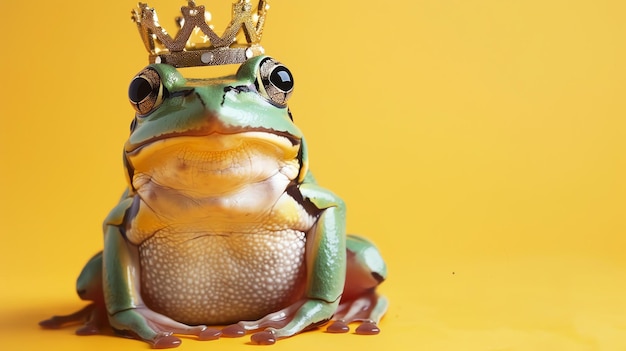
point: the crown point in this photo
(196, 43)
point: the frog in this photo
(223, 231)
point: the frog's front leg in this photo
(128, 314)
(326, 269)
(360, 302)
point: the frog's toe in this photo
(367, 310)
(166, 342)
(338, 327)
(53, 322)
(93, 316)
(233, 331)
(209, 334)
(266, 337)
(367, 328)
(56, 322)
(158, 341)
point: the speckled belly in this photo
(221, 279)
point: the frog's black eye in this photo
(146, 91)
(276, 81)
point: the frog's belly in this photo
(221, 279)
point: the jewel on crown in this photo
(196, 44)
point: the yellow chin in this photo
(216, 163)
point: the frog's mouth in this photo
(213, 163)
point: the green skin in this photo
(340, 271)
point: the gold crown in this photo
(207, 48)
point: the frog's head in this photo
(208, 136)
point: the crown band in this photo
(212, 49)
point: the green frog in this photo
(223, 223)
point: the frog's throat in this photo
(214, 163)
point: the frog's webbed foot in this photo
(303, 315)
(157, 329)
(367, 310)
(93, 317)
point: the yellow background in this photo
(480, 144)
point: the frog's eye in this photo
(275, 81)
(146, 91)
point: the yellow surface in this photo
(481, 144)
